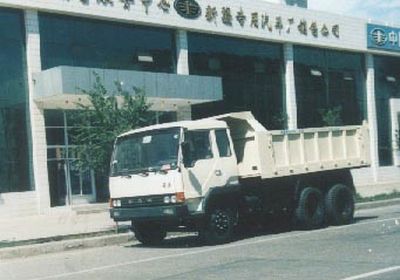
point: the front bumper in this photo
(169, 212)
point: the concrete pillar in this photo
(182, 68)
(290, 94)
(182, 63)
(38, 133)
(371, 111)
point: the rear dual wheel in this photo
(310, 211)
(336, 208)
(339, 203)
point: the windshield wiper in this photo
(125, 172)
(144, 171)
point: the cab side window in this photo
(199, 143)
(223, 143)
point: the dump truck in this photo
(212, 175)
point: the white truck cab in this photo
(208, 174)
(150, 178)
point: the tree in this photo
(97, 125)
(279, 120)
(331, 116)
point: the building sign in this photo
(187, 8)
(383, 37)
(258, 20)
(240, 18)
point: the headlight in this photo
(116, 203)
(174, 198)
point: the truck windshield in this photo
(147, 151)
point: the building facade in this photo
(292, 67)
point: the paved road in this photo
(368, 249)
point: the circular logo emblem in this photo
(379, 36)
(187, 8)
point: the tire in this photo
(149, 233)
(339, 204)
(310, 211)
(219, 226)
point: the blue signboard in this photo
(383, 37)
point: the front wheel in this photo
(219, 226)
(149, 233)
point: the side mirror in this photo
(113, 166)
(187, 155)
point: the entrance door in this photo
(82, 184)
(68, 184)
(57, 181)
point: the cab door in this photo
(227, 169)
(209, 161)
(200, 163)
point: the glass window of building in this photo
(67, 181)
(330, 87)
(387, 86)
(15, 159)
(251, 73)
(74, 41)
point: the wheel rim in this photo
(220, 222)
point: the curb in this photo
(91, 209)
(56, 238)
(66, 245)
(377, 204)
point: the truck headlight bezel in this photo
(167, 199)
(116, 202)
(174, 198)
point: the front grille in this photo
(143, 201)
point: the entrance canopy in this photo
(61, 87)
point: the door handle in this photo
(218, 172)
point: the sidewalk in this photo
(57, 225)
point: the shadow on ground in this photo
(250, 230)
(192, 240)
(360, 219)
